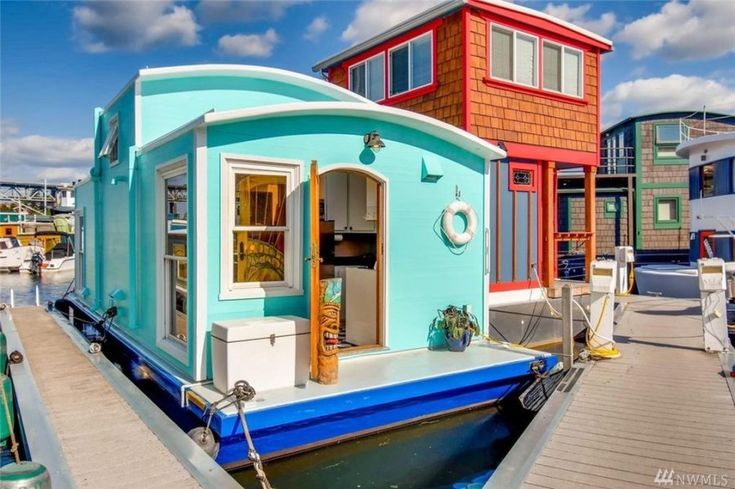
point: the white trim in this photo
(487, 238)
(293, 238)
(201, 255)
(514, 35)
(365, 62)
(581, 79)
(137, 105)
(383, 180)
(428, 125)
(410, 67)
(441, 10)
(176, 348)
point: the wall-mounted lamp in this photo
(372, 140)
(118, 180)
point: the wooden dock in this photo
(103, 438)
(664, 405)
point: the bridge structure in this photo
(36, 197)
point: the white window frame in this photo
(112, 136)
(561, 68)
(365, 62)
(232, 164)
(410, 68)
(515, 33)
(170, 344)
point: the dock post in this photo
(567, 327)
(38, 302)
(12, 298)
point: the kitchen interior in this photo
(348, 222)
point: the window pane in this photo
(708, 181)
(176, 215)
(260, 200)
(399, 70)
(667, 133)
(572, 69)
(357, 79)
(258, 256)
(421, 61)
(525, 60)
(552, 67)
(667, 210)
(666, 151)
(375, 85)
(175, 271)
(502, 54)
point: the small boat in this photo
(13, 254)
(60, 258)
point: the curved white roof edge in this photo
(684, 148)
(413, 120)
(262, 72)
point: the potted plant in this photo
(458, 326)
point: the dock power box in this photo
(712, 287)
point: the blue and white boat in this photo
(219, 198)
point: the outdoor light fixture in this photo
(373, 141)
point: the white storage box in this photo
(267, 352)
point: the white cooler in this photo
(267, 352)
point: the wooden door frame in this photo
(381, 245)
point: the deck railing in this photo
(616, 160)
(688, 131)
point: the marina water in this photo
(50, 287)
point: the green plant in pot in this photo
(458, 326)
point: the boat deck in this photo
(105, 440)
(665, 405)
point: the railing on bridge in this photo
(616, 161)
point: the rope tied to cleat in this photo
(241, 393)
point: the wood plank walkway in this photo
(105, 444)
(664, 405)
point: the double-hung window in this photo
(411, 65)
(562, 69)
(668, 138)
(261, 247)
(368, 78)
(513, 56)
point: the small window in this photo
(522, 177)
(707, 180)
(666, 213)
(562, 69)
(261, 251)
(513, 56)
(667, 138)
(367, 78)
(611, 209)
(411, 65)
(110, 147)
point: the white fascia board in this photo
(407, 118)
(684, 148)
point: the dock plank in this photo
(664, 404)
(104, 442)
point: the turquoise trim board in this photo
(421, 169)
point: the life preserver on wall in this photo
(452, 235)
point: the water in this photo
(51, 286)
(457, 451)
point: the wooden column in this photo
(590, 206)
(548, 191)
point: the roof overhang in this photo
(445, 8)
(686, 147)
(412, 120)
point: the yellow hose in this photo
(600, 351)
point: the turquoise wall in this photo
(424, 274)
(170, 103)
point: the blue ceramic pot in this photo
(459, 344)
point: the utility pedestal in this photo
(714, 304)
(623, 256)
(602, 308)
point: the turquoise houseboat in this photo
(219, 197)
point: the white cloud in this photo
(672, 93)
(102, 26)
(375, 16)
(577, 16)
(316, 28)
(700, 29)
(256, 45)
(35, 157)
(232, 11)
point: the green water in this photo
(457, 451)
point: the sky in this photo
(59, 60)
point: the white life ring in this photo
(452, 209)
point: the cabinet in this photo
(351, 202)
